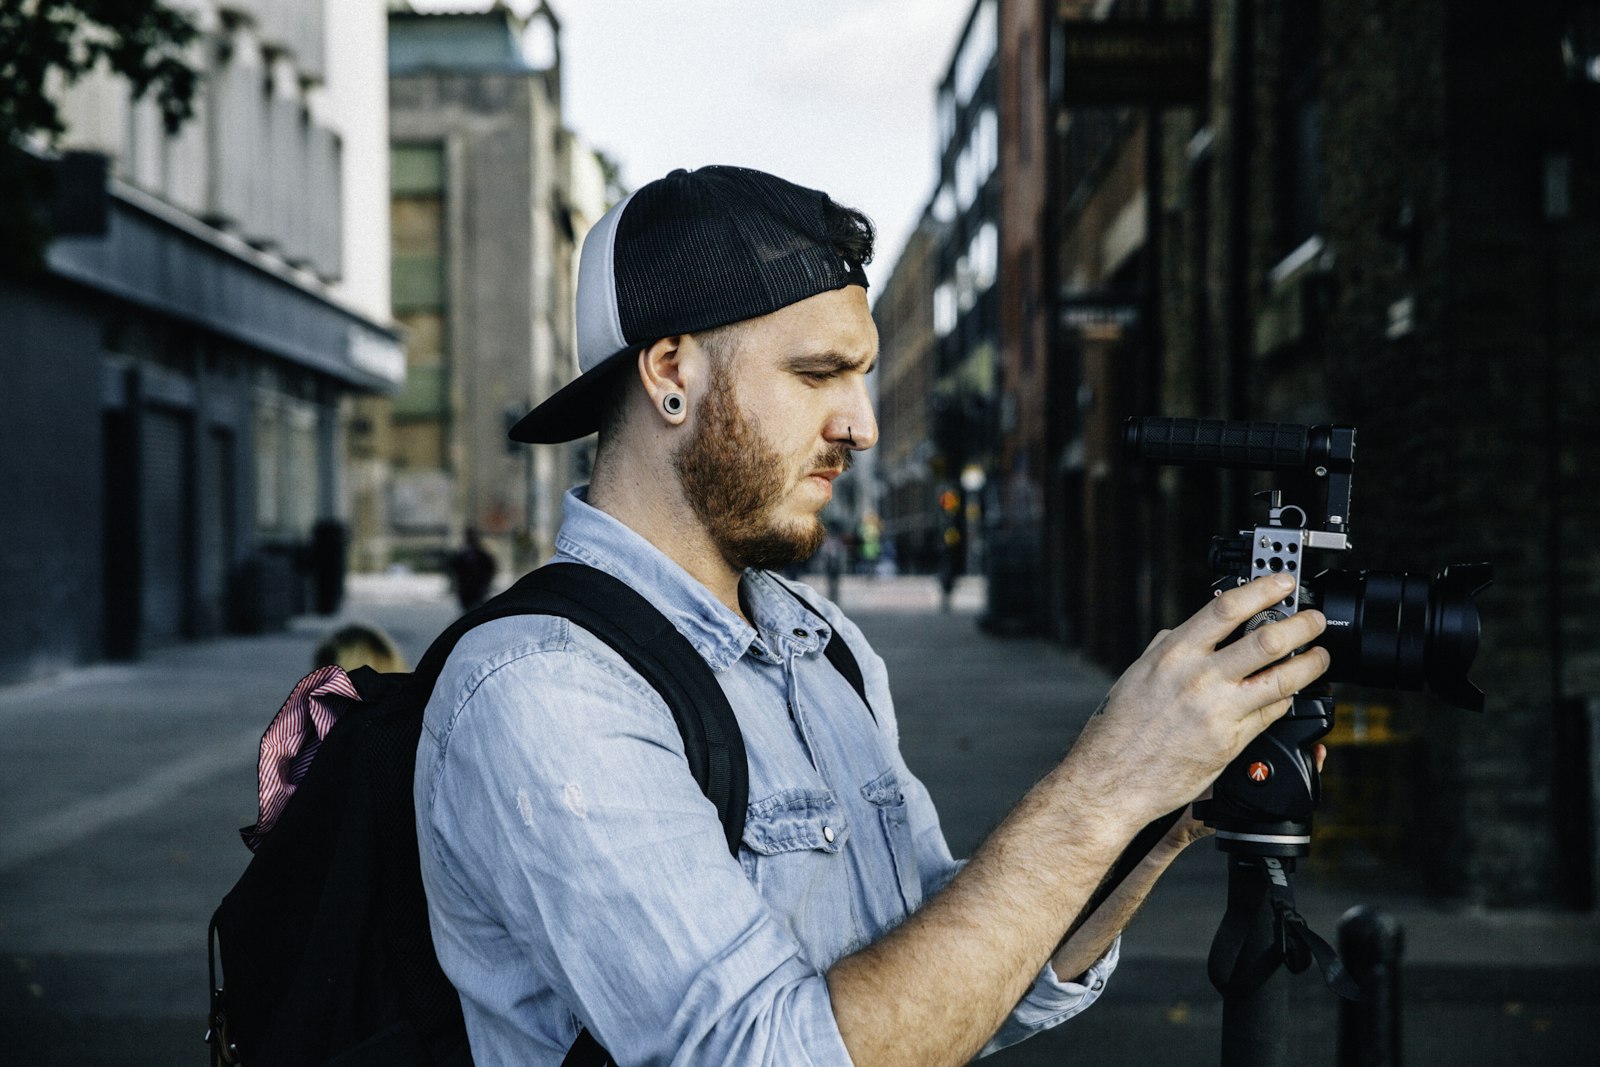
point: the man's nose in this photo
(863, 432)
(853, 423)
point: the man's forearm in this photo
(1091, 940)
(957, 967)
(935, 988)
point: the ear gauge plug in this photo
(672, 403)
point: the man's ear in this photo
(661, 371)
(659, 365)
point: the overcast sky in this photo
(835, 94)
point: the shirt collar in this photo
(780, 615)
(720, 635)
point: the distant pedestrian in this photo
(472, 570)
(360, 644)
(833, 556)
(870, 544)
(949, 566)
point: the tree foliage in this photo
(46, 46)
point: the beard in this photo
(734, 480)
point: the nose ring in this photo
(851, 434)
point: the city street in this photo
(125, 785)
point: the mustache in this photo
(839, 457)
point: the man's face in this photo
(772, 430)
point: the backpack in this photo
(326, 952)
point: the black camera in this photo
(1388, 629)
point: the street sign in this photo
(1127, 63)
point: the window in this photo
(418, 276)
(979, 158)
(1299, 122)
(966, 289)
(977, 50)
(288, 488)
(268, 446)
(983, 256)
(944, 309)
(966, 178)
(986, 144)
(416, 222)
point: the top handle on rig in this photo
(1263, 446)
(1323, 455)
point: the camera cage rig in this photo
(1263, 802)
(1387, 629)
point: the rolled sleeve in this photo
(557, 815)
(1051, 1001)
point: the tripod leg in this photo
(1255, 1031)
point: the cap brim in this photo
(574, 410)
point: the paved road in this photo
(123, 787)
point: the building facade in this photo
(909, 469)
(1335, 211)
(491, 196)
(1314, 253)
(966, 318)
(1104, 301)
(178, 372)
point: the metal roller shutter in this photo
(216, 535)
(164, 477)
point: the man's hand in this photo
(1185, 708)
(1094, 936)
(934, 989)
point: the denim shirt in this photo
(576, 875)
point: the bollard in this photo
(1370, 943)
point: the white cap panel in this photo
(599, 320)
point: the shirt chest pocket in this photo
(792, 841)
(794, 821)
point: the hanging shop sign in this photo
(1128, 63)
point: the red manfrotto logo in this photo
(1259, 772)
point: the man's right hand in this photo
(935, 988)
(1186, 708)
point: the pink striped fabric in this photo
(291, 741)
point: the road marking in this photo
(91, 815)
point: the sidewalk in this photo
(125, 785)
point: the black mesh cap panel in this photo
(718, 245)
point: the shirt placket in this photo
(800, 710)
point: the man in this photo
(576, 875)
(473, 571)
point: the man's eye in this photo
(818, 376)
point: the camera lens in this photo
(1404, 631)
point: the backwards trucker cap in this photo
(691, 251)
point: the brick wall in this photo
(1456, 326)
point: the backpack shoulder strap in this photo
(630, 624)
